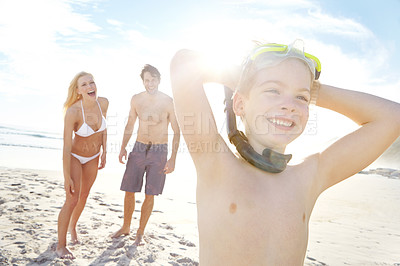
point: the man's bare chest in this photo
(152, 114)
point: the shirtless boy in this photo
(155, 111)
(249, 216)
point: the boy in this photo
(253, 216)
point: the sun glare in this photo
(221, 43)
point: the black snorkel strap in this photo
(269, 161)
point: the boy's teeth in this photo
(281, 122)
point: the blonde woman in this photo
(85, 138)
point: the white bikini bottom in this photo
(84, 160)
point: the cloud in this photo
(39, 56)
(114, 22)
(45, 42)
(37, 37)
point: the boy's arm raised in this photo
(379, 121)
(192, 108)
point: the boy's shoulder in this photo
(223, 162)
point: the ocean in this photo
(26, 148)
(22, 147)
(13, 136)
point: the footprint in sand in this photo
(186, 243)
(315, 261)
(166, 226)
(179, 261)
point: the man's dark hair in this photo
(152, 70)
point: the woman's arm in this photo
(67, 147)
(104, 143)
(379, 121)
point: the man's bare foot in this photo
(74, 236)
(138, 239)
(120, 232)
(64, 253)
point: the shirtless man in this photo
(155, 111)
(248, 216)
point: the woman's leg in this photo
(89, 174)
(67, 209)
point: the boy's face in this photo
(150, 82)
(275, 111)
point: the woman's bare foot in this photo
(120, 232)
(64, 253)
(74, 236)
(138, 239)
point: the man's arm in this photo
(379, 121)
(170, 166)
(128, 130)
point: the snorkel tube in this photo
(270, 161)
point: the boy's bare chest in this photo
(263, 211)
(264, 201)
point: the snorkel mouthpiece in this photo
(270, 161)
(278, 159)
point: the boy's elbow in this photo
(395, 115)
(184, 59)
(186, 69)
(181, 55)
(178, 58)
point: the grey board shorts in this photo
(149, 159)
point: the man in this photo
(155, 111)
(251, 209)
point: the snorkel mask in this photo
(263, 56)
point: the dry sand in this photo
(356, 222)
(30, 201)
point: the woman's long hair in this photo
(73, 95)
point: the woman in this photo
(85, 117)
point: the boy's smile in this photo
(275, 111)
(282, 123)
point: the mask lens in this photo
(282, 51)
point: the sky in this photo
(44, 43)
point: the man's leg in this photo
(129, 208)
(147, 208)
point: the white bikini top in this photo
(85, 130)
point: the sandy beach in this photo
(29, 205)
(356, 222)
